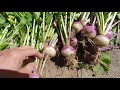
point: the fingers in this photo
(30, 52)
(34, 75)
(28, 68)
(28, 60)
(26, 51)
(23, 47)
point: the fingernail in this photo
(33, 76)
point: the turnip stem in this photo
(108, 19)
(87, 15)
(41, 71)
(102, 16)
(71, 21)
(103, 26)
(110, 24)
(115, 23)
(28, 37)
(48, 30)
(43, 27)
(4, 33)
(63, 41)
(93, 24)
(84, 23)
(24, 43)
(101, 22)
(40, 65)
(83, 17)
(64, 29)
(54, 40)
(32, 36)
(12, 35)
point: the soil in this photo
(52, 70)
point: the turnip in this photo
(77, 26)
(101, 40)
(90, 31)
(49, 40)
(109, 34)
(73, 41)
(104, 26)
(50, 51)
(67, 50)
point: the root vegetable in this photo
(101, 40)
(77, 26)
(67, 50)
(50, 51)
(73, 42)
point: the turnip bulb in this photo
(67, 50)
(73, 41)
(101, 40)
(77, 26)
(50, 51)
(90, 31)
(109, 34)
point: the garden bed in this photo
(53, 71)
(73, 43)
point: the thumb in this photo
(28, 68)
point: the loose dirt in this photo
(52, 70)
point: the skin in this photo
(12, 59)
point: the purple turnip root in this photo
(89, 30)
(101, 40)
(77, 26)
(109, 34)
(67, 50)
(73, 42)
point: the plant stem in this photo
(4, 33)
(24, 43)
(93, 24)
(48, 30)
(103, 63)
(99, 23)
(32, 37)
(71, 22)
(43, 28)
(110, 24)
(87, 15)
(41, 71)
(63, 41)
(64, 29)
(83, 17)
(102, 17)
(115, 23)
(28, 37)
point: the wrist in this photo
(12, 74)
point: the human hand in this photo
(12, 59)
